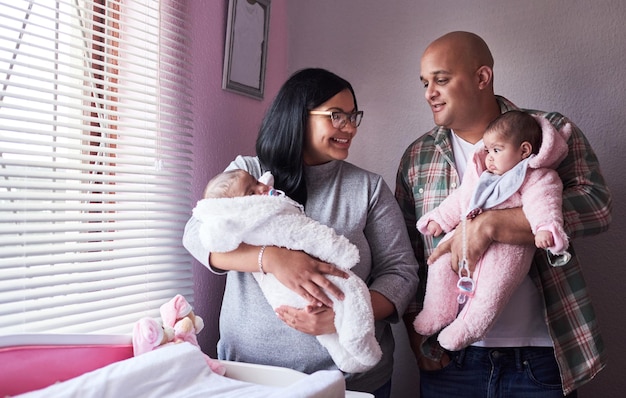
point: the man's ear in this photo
(485, 75)
(527, 149)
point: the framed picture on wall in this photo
(245, 54)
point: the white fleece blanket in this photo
(280, 221)
(180, 371)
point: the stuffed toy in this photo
(178, 315)
(180, 324)
(149, 334)
(503, 266)
(279, 221)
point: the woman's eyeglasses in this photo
(339, 119)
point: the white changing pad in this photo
(180, 370)
(272, 376)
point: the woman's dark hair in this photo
(281, 136)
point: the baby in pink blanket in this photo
(515, 168)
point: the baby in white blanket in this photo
(239, 209)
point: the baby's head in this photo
(509, 139)
(234, 183)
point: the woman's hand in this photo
(311, 320)
(303, 274)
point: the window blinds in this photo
(95, 145)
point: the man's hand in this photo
(415, 341)
(478, 240)
(504, 226)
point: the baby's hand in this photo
(544, 239)
(434, 228)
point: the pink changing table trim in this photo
(41, 360)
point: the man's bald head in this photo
(467, 47)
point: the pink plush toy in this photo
(180, 324)
(178, 315)
(502, 267)
(148, 334)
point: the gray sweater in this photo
(357, 204)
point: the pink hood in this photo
(551, 153)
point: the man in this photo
(546, 342)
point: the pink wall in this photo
(225, 124)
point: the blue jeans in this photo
(477, 372)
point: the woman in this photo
(303, 141)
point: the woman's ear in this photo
(527, 149)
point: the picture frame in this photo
(245, 54)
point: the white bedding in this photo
(180, 371)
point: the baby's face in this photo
(502, 154)
(247, 185)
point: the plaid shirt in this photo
(427, 174)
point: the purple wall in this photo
(225, 123)
(559, 55)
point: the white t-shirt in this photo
(463, 151)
